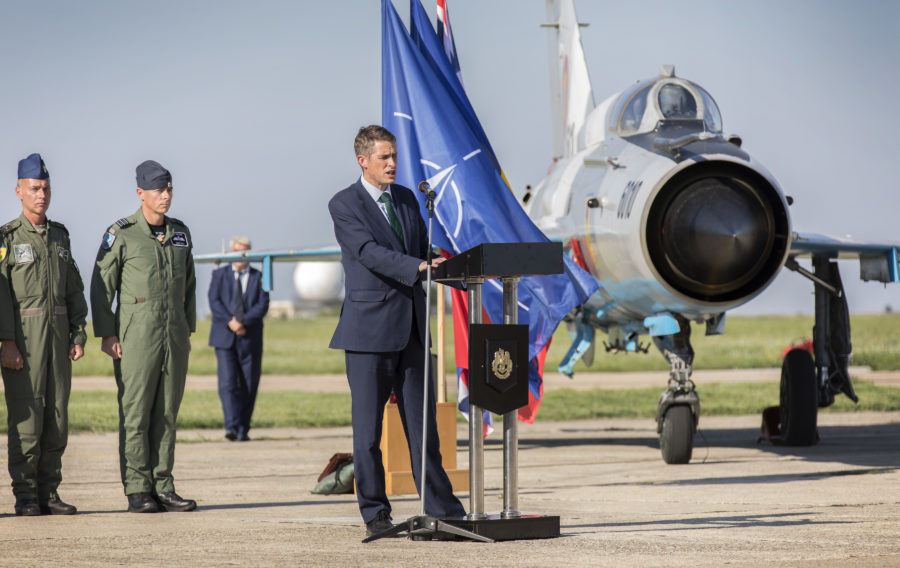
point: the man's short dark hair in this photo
(368, 135)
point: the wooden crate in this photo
(395, 452)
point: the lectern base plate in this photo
(518, 528)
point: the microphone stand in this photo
(422, 526)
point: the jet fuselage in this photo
(669, 215)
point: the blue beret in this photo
(151, 175)
(33, 167)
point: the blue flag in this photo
(434, 51)
(440, 140)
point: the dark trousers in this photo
(239, 370)
(372, 377)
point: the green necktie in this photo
(392, 217)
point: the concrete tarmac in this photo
(738, 503)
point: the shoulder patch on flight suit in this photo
(63, 253)
(8, 228)
(109, 237)
(179, 239)
(2, 254)
(123, 222)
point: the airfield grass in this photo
(301, 347)
(96, 411)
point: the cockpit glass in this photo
(676, 102)
(634, 111)
(711, 117)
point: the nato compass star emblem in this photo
(446, 188)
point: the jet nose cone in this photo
(717, 234)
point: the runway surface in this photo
(738, 503)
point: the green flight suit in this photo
(154, 318)
(42, 307)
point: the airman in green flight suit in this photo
(145, 265)
(42, 315)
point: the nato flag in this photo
(440, 141)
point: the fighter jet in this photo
(680, 224)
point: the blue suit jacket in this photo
(221, 294)
(383, 293)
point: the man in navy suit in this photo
(238, 303)
(384, 244)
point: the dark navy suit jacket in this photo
(383, 293)
(221, 294)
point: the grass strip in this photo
(96, 411)
(300, 346)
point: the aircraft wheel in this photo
(676, 441)
(799, 399)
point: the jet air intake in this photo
(718, 232)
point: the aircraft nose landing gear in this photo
(678, 408)
(677, 413)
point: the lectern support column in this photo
(510, 419)
(476, 420)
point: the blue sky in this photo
(253, 106)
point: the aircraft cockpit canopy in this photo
(640, 109)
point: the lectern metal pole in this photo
(511, 419)
(476, 420)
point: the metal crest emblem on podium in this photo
(502, 364)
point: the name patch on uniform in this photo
(23, 253)
(63, 254)
(179, 239)
(108, 240)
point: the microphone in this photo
(426, 189)
(429, 196)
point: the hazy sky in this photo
(253, 106)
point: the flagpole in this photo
(441, 340)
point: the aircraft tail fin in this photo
(571, 96)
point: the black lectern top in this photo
(498, 260)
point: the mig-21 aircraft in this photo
(680, 224)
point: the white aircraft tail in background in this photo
(570, 84)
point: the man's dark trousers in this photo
(372, 377)
(239, 373)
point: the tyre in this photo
(676, 441)
(799, 399)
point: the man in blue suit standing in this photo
(238, 303)
(384, 244)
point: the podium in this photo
(498, 377)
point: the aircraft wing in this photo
(267, 257)
(877, 261)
